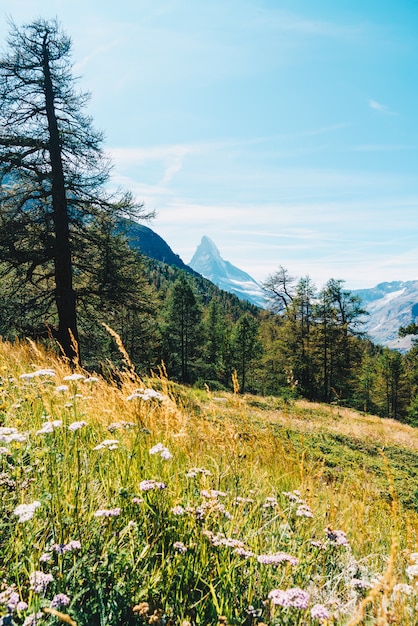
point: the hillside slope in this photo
(198, 508)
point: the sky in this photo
(284, 130)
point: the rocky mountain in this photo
(208, 262)
(150, 244)
(390, 305)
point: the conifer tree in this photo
(182, 332)
(52, 167)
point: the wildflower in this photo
(118, 425)
(160, 449)
(45, 557)
(338, 537)
(180, 547)
(294, 597)
(39, 581)
(293, 496)
(61, 548)
(74, 377)
(320, 612)
(403, 588)
(4, 451)
(275, 559)
(149, 485)
(62, 389)
(21, 606)
(74, 426)
(213, 493)
(49, 427)
(107, 512)
(38, 373)
(219, 539)
(25, 512)
(242, 500)
(246, 554)
(412, 571)
(10, 598)
(60, 600)
(7, 435)
(270, 503)
(178, 510)
(146, 394)
(360, 584)
(91, 379)
(137, 500)
(195, 471)
(109, 444)
(304, 511)
(33, 619)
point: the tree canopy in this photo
(53, 171)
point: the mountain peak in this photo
(207, 261)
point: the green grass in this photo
(207, 545)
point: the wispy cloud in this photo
(380, 108)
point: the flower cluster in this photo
(49, 427)
(120, 425)
(107, 444)
(25, 512)
(278, 557)
(37, 374)
(11, 600)
(39, 581)
(290, 598)
(61, 548)
(149, 485)
(196, 471)
(338, 537)
(162, 451)
(60, 600)
(108, 512)
(7, 435)
(219, 539)
(146, 394)
(74, 426)
(320, 612)
(180, 547)
(74, 377)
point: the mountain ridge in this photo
(208, 262)
(389, 305)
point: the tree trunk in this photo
(64, 292)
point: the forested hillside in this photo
(70, 276)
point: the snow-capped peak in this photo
(207, 261)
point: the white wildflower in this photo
(49, 427)
(162, 451)
(146, 394)
(25, 512)
(109, 444)
(412, 571)
(74, 377)
(38, 373)
(61, 388)
(76, 425)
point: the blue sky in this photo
(286, 131)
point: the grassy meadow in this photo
(144, 502)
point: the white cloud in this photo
(381, 108)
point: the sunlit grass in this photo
(150, 503)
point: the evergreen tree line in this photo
(67, 272)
